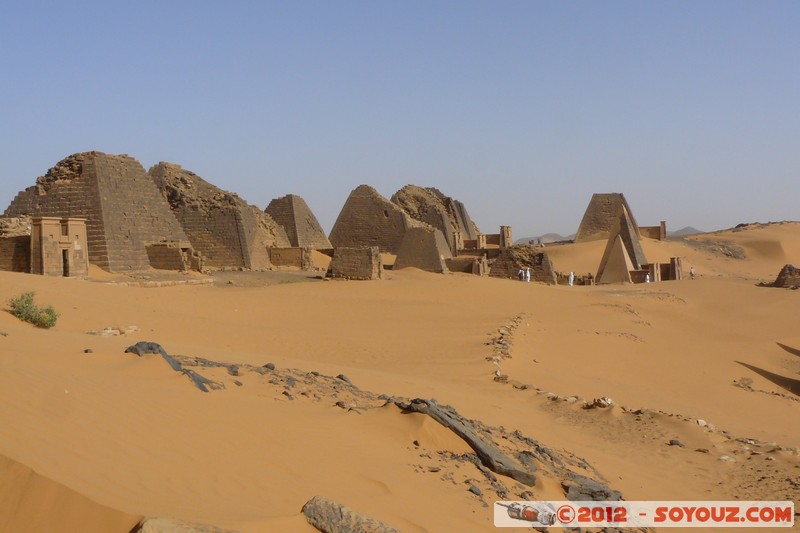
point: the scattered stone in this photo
(703, 450)
(331, 517)
(88, 350)
(702, 423)
(582, 488)
(269, 366)
(602, 403)
(233, 370)
(170, 525)
(289, 396)
(433, 469)
(676, 442)
(344, 378)
(237, 382)
(290, 382)
(727, 458)
(143, 348)
(416, 443)
(489, 454)
(3, 334)
(475, 490)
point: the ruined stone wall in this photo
(369, 219)
(469, 265)
(302, 228)
(166, 256)
(226, 230)
(356, 263)
(601, 217)
(123, 210)
(15, 253)
(511, 259)
(292, 257)
(423, 248)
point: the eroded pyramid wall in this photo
(301, 226)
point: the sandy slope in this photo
(132, 435)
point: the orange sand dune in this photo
(131, 434)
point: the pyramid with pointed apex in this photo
(301, 226)
(600, 217)
(623, 251)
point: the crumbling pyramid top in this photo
(431, 206)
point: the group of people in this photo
(524, 274)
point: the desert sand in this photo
(712, 362)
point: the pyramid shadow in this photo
(793, 351)
(789, 384)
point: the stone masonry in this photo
(124, 212)
(224, 228)
(356, 263)
(789, 277)
(601, 216)
(302, 228)
(369, 219)
(511, 259)
(425, 249)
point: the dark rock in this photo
(269, 366)
(489, 455)
(290, 381)
(676, 442)
(289, 396)
(233, 370)
(344, 378)
(582, 488)
(433, 469)
(331, 517)
(475, 490)
(237, 382)
(88, 350)
(789, 277)
(201, 382)
(143, 348)
(416, 443)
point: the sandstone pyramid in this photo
(301, 226)
(369, 219)
(600, 217)
(423, 248)
(430, 206)
(513, 258)
(624, 236)
(224, 228)
(616, 265)
(124, 211)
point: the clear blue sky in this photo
(521, 110)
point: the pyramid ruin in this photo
(224, 228)
(124, 211)
(301, 226)
(369, 219)
(425, 249)
(600, 217)
(430, 206)
(513, 258)
(623, 251)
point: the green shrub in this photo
(23, 308)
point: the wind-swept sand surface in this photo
(129, 434)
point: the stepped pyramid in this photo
(623, 251)
(369, 219)
(601, 216)
(224, 228)
(432, 207)
(124, 211)
(301, 226)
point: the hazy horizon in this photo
(521, 110)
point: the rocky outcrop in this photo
(788, 278)
(228, 231)
(331, 517)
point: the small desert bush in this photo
(23, 308)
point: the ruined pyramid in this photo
(301, 226)
(600, 217)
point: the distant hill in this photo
(683, 232)
(545, 239)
